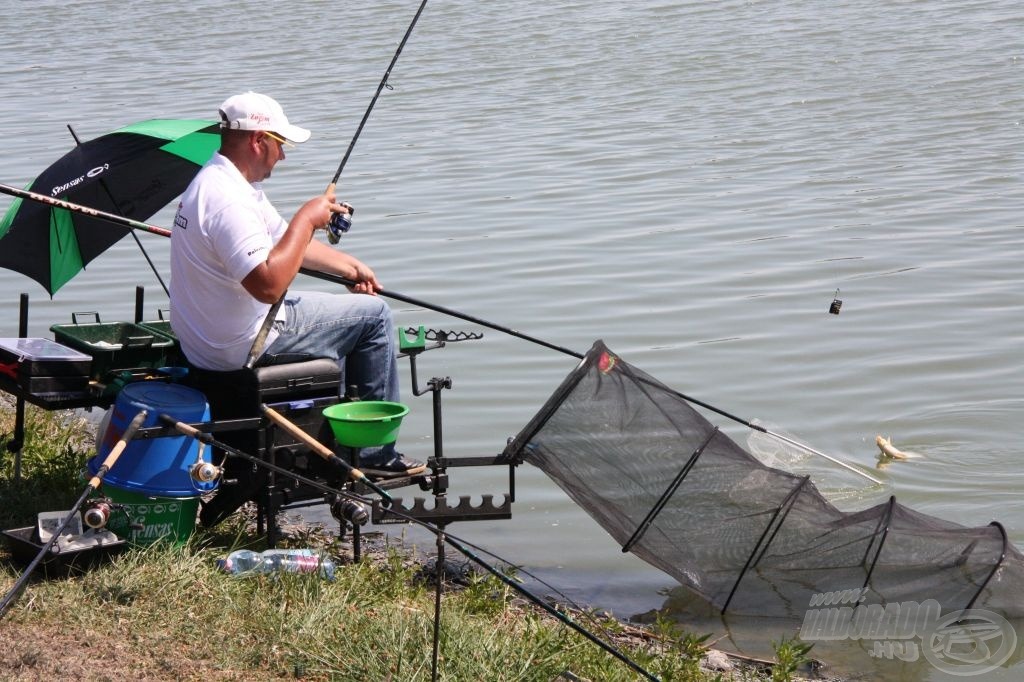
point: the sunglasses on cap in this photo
(280, 139)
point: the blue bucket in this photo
(157, 467)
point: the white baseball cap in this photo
(253, 111)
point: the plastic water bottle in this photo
(247, 562)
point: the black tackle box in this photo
(44, 366)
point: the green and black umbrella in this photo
(134, 172)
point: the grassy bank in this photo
(167, 613)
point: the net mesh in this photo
(671, 488)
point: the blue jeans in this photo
(356, 330)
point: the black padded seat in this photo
(238, 394)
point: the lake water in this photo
(691, 182)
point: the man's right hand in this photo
(319, 209)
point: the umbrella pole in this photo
(110, 196)
(18, 437)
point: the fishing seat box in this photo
(116, 346)
(43, 366)
(299, 391)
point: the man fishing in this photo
(233, 256)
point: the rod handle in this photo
(293, 429)
(118, 448)
(320, 449)
(181, 426)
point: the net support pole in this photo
(1002, 557)
(789, 503)
(665, 496)
(884, 525)
(786, 503)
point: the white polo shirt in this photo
(224, 228)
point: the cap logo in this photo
(259, 118)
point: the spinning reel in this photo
(98, 512)
(203, 471)
(339, 224)
(345, 509)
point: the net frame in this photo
(677, 492)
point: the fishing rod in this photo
(339, 222)
(324, 451)
(94, 483)
(526, 337)
(84, 210)
(459, 545)
(337, 279)
(192, 432)
(562, 618)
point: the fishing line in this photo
(460, 545)
(836, 304)
(834, 484)
(110, 217)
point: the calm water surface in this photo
(691, 182)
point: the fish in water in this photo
(891, 451)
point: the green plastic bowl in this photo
(365, 423)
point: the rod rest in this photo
(440, 510)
